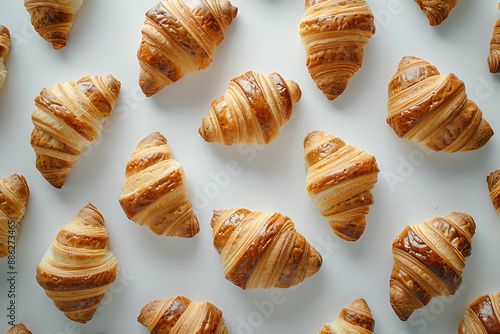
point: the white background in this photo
(414, 184)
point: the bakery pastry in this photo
(482, 316)
(436, 10)
(18, 329)
(493, 181)
(494, 56)
(354, 319)
(4, 52)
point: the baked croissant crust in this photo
(67, 119)
(78, 267)
(335, 33)
(339, 181)
(155, 192)
(433, 109)
(18, 329)
(252, 111)
(53, 19)
(482, 316)
(4, 52)
(354, 319)
(180, 37)
(494, 56)
(436, 10)
(14, 195)
(262, 250)
(180, 315)
(429, 259)
(493, 181)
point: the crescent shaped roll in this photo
(4, 52)
(494, 56)
(354, 319)
(155, 191)
(179, 37)
(335, 33)
(53, 19)
(339, 181)
(78, 267)
(493, 181)
(252, 111)
(436, 10)
(482, 316)
(180, 315)
(14, 195)
(433, 109)
(68, 118)
(262, 250)
(19, 329)
(429, 260)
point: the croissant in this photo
(155, 192)
(67, 119)
(433, 109)
(4, 52)
(482, 316)
(52, 19)
(493, 181)
(429, 261)
(78, 267)
(180, 37)
(179, 315)
(262, 250)
(436, 10)
(494, 57)
(335, 33)
(354, 319)
(19, 329)
(14, 195)
(252, 111)
(339, 181)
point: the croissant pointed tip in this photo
(295, 91)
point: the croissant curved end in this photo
(19, 329)
(295, 91)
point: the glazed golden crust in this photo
(155, 191)
(433, 109)
(335, 33)
(180, 37)
(494, 56)
(78, 267)
(339, 181)
(482, 316)
(53, 19)
(429, 261)
(493, 181)
(14, 195)
(262, 250)
(4, 52)
(180, 315)
(252, 111)
(436, 10)
(18, 329)
(354, 319)
(67, 119)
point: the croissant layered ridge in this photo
(481, 316)
(436, 10)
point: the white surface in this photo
(263, 37)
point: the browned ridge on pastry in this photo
(14, 195)
(262, 250)
(429, 260)
(4, 52)
(436, 10)
(252, 111)
(155, 191)
(180, 37)
(78, 267)
(67, 119)
(482, 316)
(19, 329)
(180, 315)
(335, 33)
(354, 319)
(339, 181)
(494, 56)
(493, 181)
(53, 19)
(433, 109)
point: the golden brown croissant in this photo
(429, 261)
(354, 319)
(4, 52)
(179, 315)
(67, 119)
(78, 267)
(433, 109)
(252, 111)
(335, 33)
(339, 181)
(19, 329)
(494, 56)
(14, 195)
(180, 37)
(53, 19)
(155, 192)
(482, 316)
(262, 250)
(436, 10)
(493, 181)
